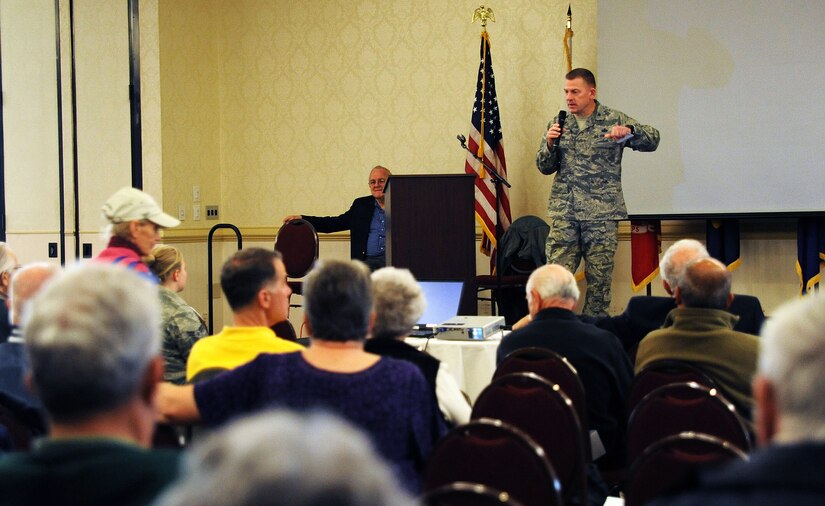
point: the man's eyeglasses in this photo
(373, 182)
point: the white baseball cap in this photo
(129, 204)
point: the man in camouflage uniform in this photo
(586, 201)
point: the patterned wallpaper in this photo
(291, 103)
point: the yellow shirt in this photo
(233, 347)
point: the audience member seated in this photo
(646, 313)
(93, 340)
(8, 264)
(253, 281)
(182, 326)
(285, 458)
(602, 364)
(387, 398)
(135, 221)
(700, 331)
(790, 419)
(26, 283)
(399, 303)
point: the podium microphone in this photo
(461, 139)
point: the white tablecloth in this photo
(471, 362)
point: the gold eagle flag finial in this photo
(483, 13)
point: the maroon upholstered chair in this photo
(669, 465)
(684, 407)
(297, 241)
(495, 454)
(462, 493)
(551, 366)
(542, 410)
(661, 373)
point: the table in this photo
(472, 363)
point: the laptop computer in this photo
(443, 298)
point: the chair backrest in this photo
(670, 465)
(664, 372)
(462, 493)
(298, 243)
(22, 423)
(542, 410)
(285, 330)
(498, 455)
(551, 366)
(683, 407)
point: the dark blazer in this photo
(396, 348)
(644, 314)
(780, 474)
(5, 324)
(13, 367)
(357, 220)
(602, 364)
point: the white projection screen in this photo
(737, 90)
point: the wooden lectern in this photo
(431, 229)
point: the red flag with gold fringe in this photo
(645, 246)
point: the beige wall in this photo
(291, 103)
(273, 107)
(277, 107)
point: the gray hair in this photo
(399, 302)
(25, 284)
(281, 457)
(705, 283)
(677, 256)
(553, 281)
(338, 300)
(90, 336)
(792, 357)
(8, 260)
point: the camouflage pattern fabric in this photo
(588, 188)
(181, 327)
(594, 241)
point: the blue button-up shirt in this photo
(377, 238)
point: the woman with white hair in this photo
(399, 303)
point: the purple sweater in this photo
(389, 401)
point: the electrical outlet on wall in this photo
(196, 212)
(181, 212)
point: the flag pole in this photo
(484, 14)
(568, 39)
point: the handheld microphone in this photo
(562, 119)
(556, 150)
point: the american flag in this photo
(485, 141)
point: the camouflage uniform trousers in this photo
(571, 241)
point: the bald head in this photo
(26, 283)
(551, 286)
(677, 256)
(705, 283)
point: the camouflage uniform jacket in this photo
(181, 327)
(588, 186)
